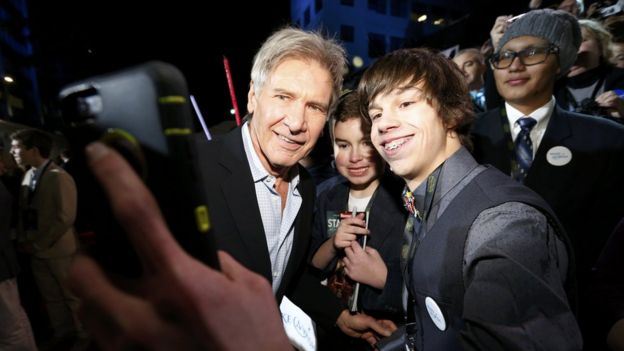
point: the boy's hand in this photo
(365, 266)
(348, 230)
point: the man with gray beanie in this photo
(575, 162)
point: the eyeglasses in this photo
(528, 56)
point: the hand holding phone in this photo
(144, 114)
(186, 305)
(352, 226)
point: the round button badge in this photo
(559, 156)
(435, 313)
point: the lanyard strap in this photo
(418, 221)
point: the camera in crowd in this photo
(589, 106)
(606, 8)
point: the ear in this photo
(251, 98)
(36, 149)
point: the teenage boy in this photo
(487, 265)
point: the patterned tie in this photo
(412, 226)
(524, 147)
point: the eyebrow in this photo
(323, 106)
(398, 91)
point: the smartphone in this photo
(144, 113)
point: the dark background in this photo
(77, 39)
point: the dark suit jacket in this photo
(386, 224)
(237, 225)
(587, 193)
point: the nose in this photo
(355, 154)
(384, 124)
(516, 64)
(295, 119)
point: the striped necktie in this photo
(524, 147)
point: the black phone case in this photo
(144, 113)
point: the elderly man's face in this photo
(289, 112)
(473, 67)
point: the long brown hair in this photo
(440, 79)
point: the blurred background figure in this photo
(15, 331)
(47, 210)
(472, 64)
(592, 84)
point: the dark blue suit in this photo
(587, 194)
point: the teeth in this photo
(395, 144)
(286, 139)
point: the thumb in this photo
(380, 328)
(371, 251)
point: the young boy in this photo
(337, 235)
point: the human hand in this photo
(592, 10)
(612, 101)
(365, 265)
(185, 305)
(348, 230)
(499, 28)
(535, 4)
(363, 326)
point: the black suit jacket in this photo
(237, 225)
(386, 224)
(587, 193)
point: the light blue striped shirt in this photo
(278, 227)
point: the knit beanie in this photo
(557, 27)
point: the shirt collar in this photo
(258, 172)
(541, 115)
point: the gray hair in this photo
(291, 42)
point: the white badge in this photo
(559, 156)
(298, 325)
(435, 313)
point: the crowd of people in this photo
(476, 205)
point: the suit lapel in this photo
(380, 211)
(557, 131)
(496, 142)
(240, 194)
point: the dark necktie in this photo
(524, 147)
